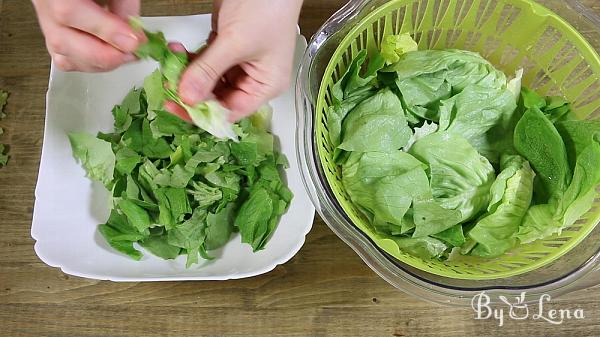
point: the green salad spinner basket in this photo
(511, 34)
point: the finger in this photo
(125, 8)
(177, 110)
(85, 51)
(63, 63)
(245, 97)
(201, 76)
(89, 17)
(179, 48)
(235, 76)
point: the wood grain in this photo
(326, 290)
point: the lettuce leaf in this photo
(419, 132)
(376, 124)
(431, 218)
(426, 247)
(459, 68)
(209, 115)
(393, 46)
(352, 82)
(460, 177)
(577, 135)
(580, 194)
(537, 140)
(95, 155)
(384, 185)
(478, 112)
(564, 209)
(511, 196)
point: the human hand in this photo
(248, 59)
(83, 36)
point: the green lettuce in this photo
(445, 156)
(510, 199)
(209, 115)
(384, 185)
(426, 77)
(350, 90)
(3, 148)
(393, 46)
(564, 209)
(577, 135)
(537, 140)
(376, 124)
(177, 190)
(477, 113)
(460, 177)
(95, 155)
(426, 248)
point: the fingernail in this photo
(125, 42)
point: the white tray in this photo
(69, 206)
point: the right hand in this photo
(83, 36)
(248, 59)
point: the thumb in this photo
(202, 75)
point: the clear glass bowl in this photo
(574, 273)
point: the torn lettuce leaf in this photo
(460, 177)
(3, 101)
(209, 115)
(514, 85)
(393, 46)
(474, 112)
(419, 132)
(4, 156)
(511, 196)
(95, 155)
(376, 124)
(384, 185)
(425, 248)
(536, 139)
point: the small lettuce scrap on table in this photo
(444, 155)
(176, 189)
(3, 151)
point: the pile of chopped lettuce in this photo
(444, 155)
(3, 149)
(176, 188)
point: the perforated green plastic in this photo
(511, 34)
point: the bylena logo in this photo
(519, 310)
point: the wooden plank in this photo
(326, 290)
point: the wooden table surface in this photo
(325, 290)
